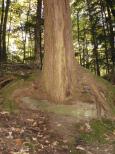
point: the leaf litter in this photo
(27, 132)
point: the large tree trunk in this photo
(58, 68)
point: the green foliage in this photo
(100, 132)
(8, 103)
(89, 24)
(88, 18)
(21, 23)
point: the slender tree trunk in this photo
(111, 4)
(23, 41)
(38, 53)
(1, 31)
(31, 42)
(97, 58)
(78, 37)
(9, 31)
(24, 48)
(25, 37)
(58, 68)
(105, 35)
(94, 40)
(4, 56)
(107, 28)
(83, 57)
(111, 38)
(87, 54)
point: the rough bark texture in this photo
(111, 38)
(38, 54)
(1, 30)
(4, 56)
(94, 39)
(58, 68)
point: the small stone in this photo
(55, 143)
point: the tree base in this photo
(88, 90)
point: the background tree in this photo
(4, 17)
(92, 26)
(38, 52)
(97, 20)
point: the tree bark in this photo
(94, 39)
(38, 53)
(9, 31)
(4, 55)
(78, 37)
(1, 30)
(111, 4)
(111, 38)
(58, 68)
(105, 35)
(25, 33)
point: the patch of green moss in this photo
(9, 106)
(34, 75)
(30, 145)
(100, 131)
(7, 91)
(85, 111)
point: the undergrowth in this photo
(100, 133)
(110, 92)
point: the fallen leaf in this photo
(9, 135)
(18, 142)
(55, 143)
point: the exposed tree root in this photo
(96, 92)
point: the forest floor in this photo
(28, 131)
(33, 128)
